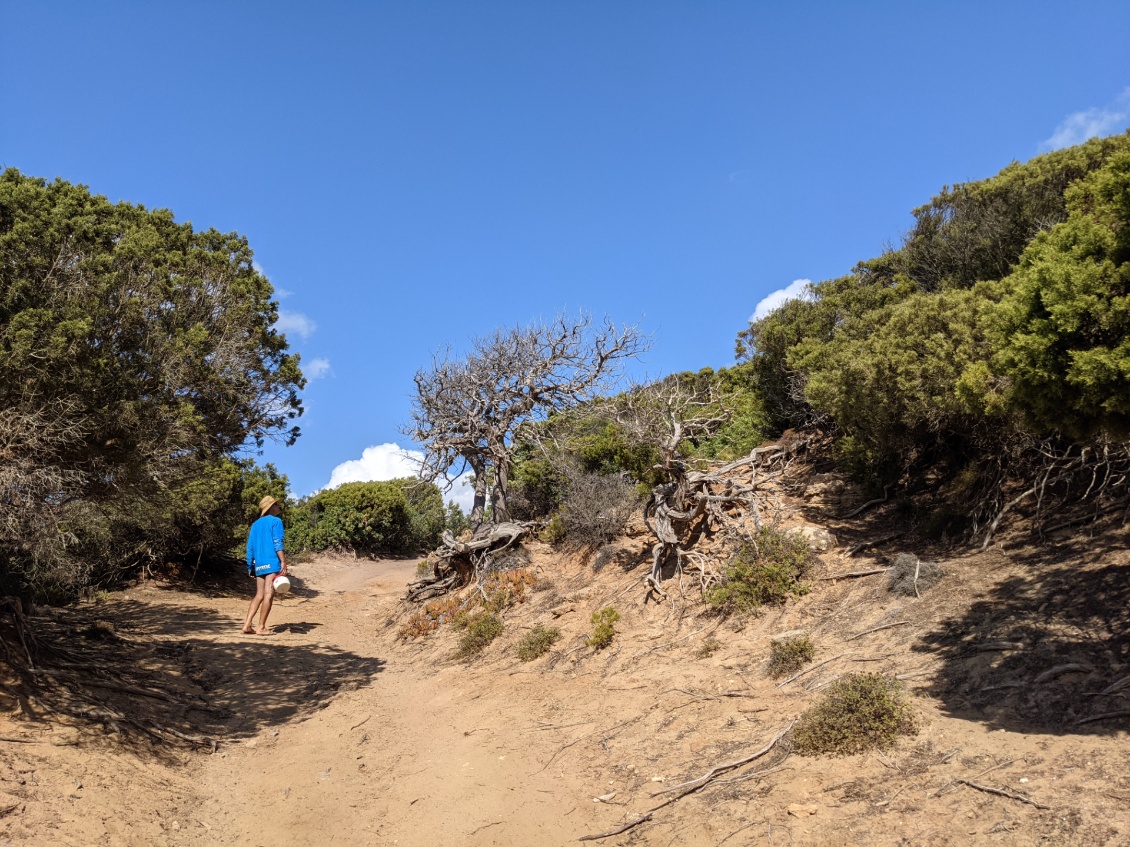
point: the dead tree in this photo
(666, 414)
(456, 563)
(466, 411)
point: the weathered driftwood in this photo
(693, 501)
(455, 563)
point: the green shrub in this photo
(481, 631)
(537, 642)
(369, 517)
(789, 655)
(554, 531)
(766, 570)
(603, 632)
(860, 712)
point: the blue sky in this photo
(411, 175)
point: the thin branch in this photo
(875, 629)
(1002, 792)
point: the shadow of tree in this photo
(1070, 608)
(151, 673)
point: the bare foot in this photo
(248, 631)
(264, 632)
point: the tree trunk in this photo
(480, 504)
(500, 511)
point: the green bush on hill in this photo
(138, 356)
(401, 515)
(1001, 320)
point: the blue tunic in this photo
(264, 543)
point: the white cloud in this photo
(384, 461)
(295, 322)
(391, 461)
(1091, 123)
(797, 289)
(316, 368)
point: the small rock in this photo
(658, 778)
(818, 538)
(604, 798)
(801, 810)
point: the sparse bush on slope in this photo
(860, 712)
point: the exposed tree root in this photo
(458, 563)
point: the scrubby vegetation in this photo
(595, 510)
(402, 515)
(993, 340)
(482, 629)
(537, 642)
(788, 655)
(766, 569)
(708, 648)
(138, 356)
(603, 631)
(860, 712)
(499, 591)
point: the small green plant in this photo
(101, 596)
(603, 632)
(708, 648)
(789, 655)
(860, 712)
(537, 642)
(554, 530)
(481, 631)
(766, 570)
(423, 569)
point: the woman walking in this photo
(265, 559)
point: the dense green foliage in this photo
(401, 515)
(1005, 315)
(138, 356)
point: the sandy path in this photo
(401, 760)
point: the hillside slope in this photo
(336, 731)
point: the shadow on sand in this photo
(1064, 622)
(152, 673)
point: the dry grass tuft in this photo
(789, 655)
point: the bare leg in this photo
(256, 601)
(268, 601)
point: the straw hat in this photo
(265, 504)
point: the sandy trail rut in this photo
(401, 760)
